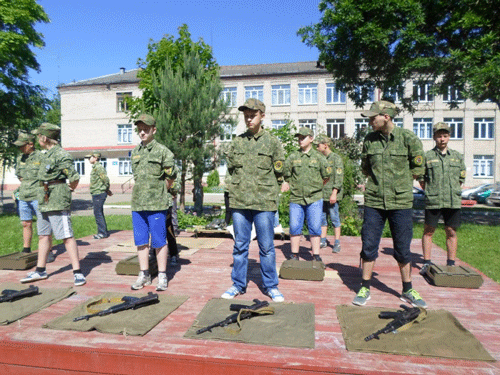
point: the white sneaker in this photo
(162, 282)
(34, 276)
(141, 281)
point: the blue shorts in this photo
(27, 210)
(333, 211)
(150, 223)
(312, 212)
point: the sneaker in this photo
(276, 295)
(231, 293)
(34, 276)
(162, 282)
(141, 281)
(294, 256)
(413, 298)
(174, 260)
(317, 258)
(79, 279)
(362, 296)
(336, 248)
(423, 270)
(279, 229)
(97, 236)
(323, 243)
(51, 257)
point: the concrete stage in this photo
(26, 348)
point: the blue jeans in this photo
(242, 224)
(333, 211)
(312, 212)
(401, 224)
(98, 204)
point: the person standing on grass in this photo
(56, 166)
(99, 189)
(154, 173)
(391, 159)
(305, 173)
(255, 163)
(444, 175)
(332, 191)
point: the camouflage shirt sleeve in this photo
(325, 168)
(278, 160)
(338, 172)
(416, 155)
(169, 169)
(67, 167)
(463, 170)
(365, 167)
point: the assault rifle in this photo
(400, 318)
(129, 303)
(248, 312)
(9, 295)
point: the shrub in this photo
(213, 178)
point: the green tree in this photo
(286, 134)
(53, 114)
(189, 114)
(385, 42)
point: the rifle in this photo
(400, 318)
(243, 312)
(9, 295)
(128, 303)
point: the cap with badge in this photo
(23, 138)
(322, 139)
(49, 130)
(305, 132)
(441, 126)
(381, 108)
(254, 104)
(146, 119)
(95, 154)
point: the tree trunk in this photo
(198, 196)
(182, 202)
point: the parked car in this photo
(467, 193)
(418, 198)
(481, 196)
(494, 198)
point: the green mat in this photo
(12, 311)
(291, 325)
(440, 334)
(129, 322)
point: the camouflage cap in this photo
(322, 138)
(23, 138)
(381, 108)
(253, 103)
(49, 130)
(441, 126)
(304, 131)
(94, 153)
(146, 119)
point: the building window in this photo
(335, 128)
(125, 133)
(483, 166)
(80, 166)
(453, 95)
(484, 128)
(369, 90)
(121, 104)
(310, 124)
(422, 127)
(422, 91)
(334, 95)
(398, 122)
(456, 127)
(308, 93)
(104, 163)
(394, 94)
(124, 167)
(278, 124)
(256, 92)
(227, 133)
(281, 94)
(360, 124)
(229, 96)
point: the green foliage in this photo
(351, 226)
(386, 42)
(213, 178)
(286, 135)
(284, 209)
(53, 114)
(189, 220)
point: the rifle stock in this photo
(400, 318)
(9, 295)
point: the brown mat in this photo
(436, 336)
(292, 325)
(12, 311)
(129, 322)
(127, 247)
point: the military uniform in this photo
(336, 179)
(99, 187)
(27, 168)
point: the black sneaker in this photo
(51, 257)
(174, 261)
(294, 257)
(317, 258)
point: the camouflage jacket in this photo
(390, 164)
(151, 165)
(255, 163)
(56, 165)
(305, 172)
(337, 178)
(444, 175)
(99, 181)
(173, 191)
(27, 167)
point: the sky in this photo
(88, 39)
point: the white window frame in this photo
(227, 133)
(335, 128)
(398, 121)
(308, 93)
(278, 124)
(421, 91)
(79, 164)
(371, 95)
(334, 95)
(280, 94)
(456, 127)
(361, 123)
(124, 167)
(393, 93)
(483, 166)
(104, 163)
(124, 134)
(256, 92)
(229, 95)
(484, 128)
(309, 123)
(121, 104)
(453, 95)
(422, 127)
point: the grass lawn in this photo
(478, 245)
